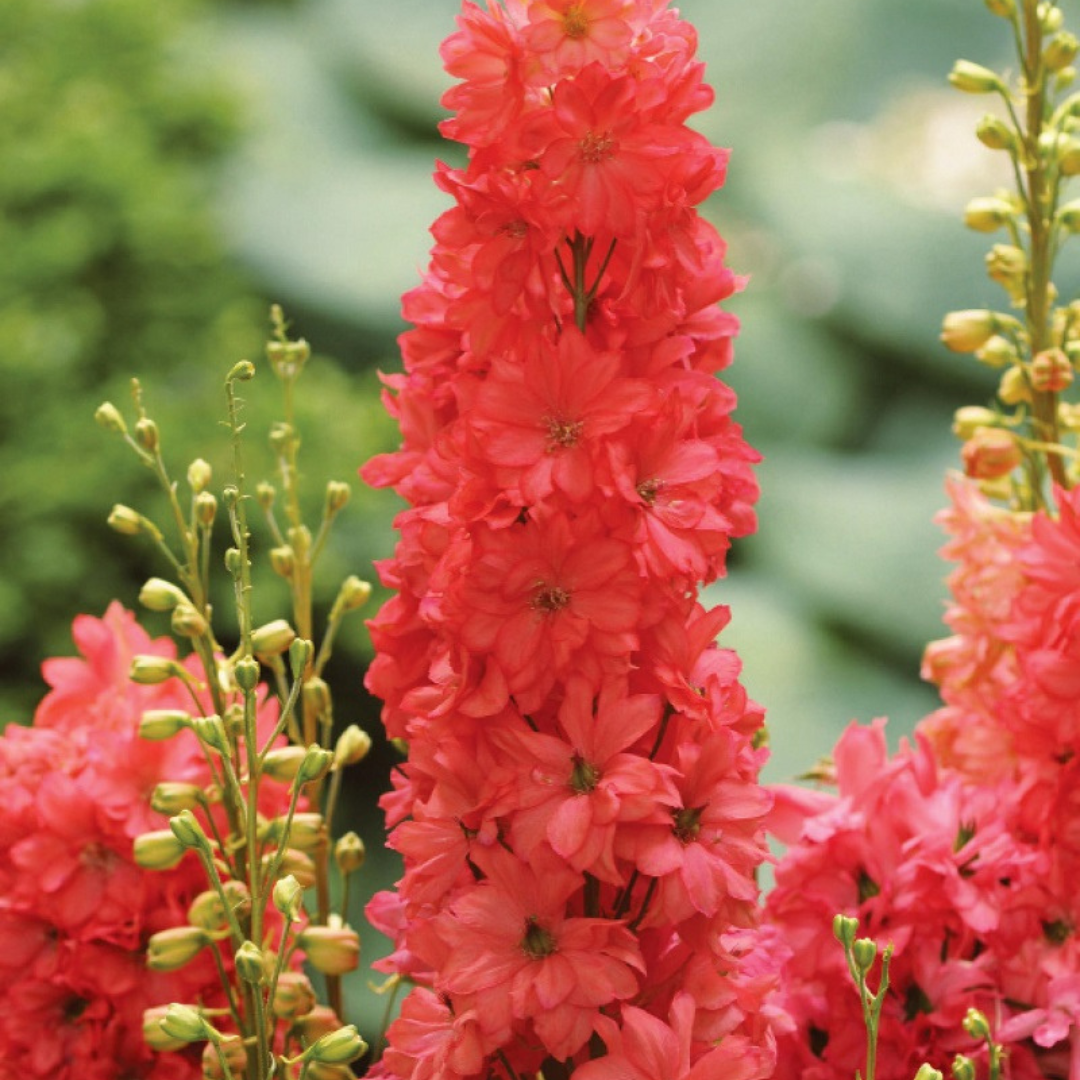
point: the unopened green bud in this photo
(157, 850)
(172, 949)
(963, 1068)
(997, 352)
(976, 1024)
(160, 595)
(172, 796)
(844, 929)
(294, 996)
(207, 910)
(249, 964)
(965, 331)
(146, 434)
(995, 134)
(975, 79)
(246, 672)
(210, 731)
(186, 828)
(354, 593)
(283, 560)
(315, 766)
(283, 438)
(1061, 51)
(154, 1036)
(241, 371)
(316, 696)
(108, 416)
(296, 864)
(1068, 217)
(152, 670)
(967, 420)
(205, 508)
(283, 763)
(124, 520)
(1068, 156)
(272, 638)
(352, 747)
(289, 897)
(863, 951)
(337, 1048)
(1050, 17)
(332, 950)
(349, 853)
(928, 1072)
(1007, 265)
(265, 494)
(988, 214)
(337, 497)
(300, 539)
(234, 561)
(307, 831)
(300, 653)
(199, 475)
(1014, 386)
(187, 621)
(185, 1023)
(158, 724)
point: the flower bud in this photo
(124, 520)
(331, 950)
(153, 1034)
(210, 731)
(307, 831)
(108, 416)
(249, 964)
(159, 724)
(234, 561)
(337, 1047)
(157, 850)
(160, 595)
(1051, 371)
(1014, 387)
(354, 593)
(963, 1068)
(1050, 17)
(265, 494)
(928, 1072)
(171, 796)
(289, 897)
(146, 434)
(283, 763)
(316, 696)
(235, 1059)
(283, 560)
(975, 79)
(152, 670)
(300, 652)
(199, 475)
(294, 996)
(273, 638)
(845, 928)
(965, 331)
(296, 864)
(1007, 265)
(990, 453)
(300, 538)
(1068, 216)
(1068, 156)
(997, 352)
(205, 508)
(320, 1021)
(1061, 51)
(241, 371)
(352, 747)
(188, 622)
(207, 910)
(283, 438)
(186, 1024)
(863, 952)
(246, 673)
(315, 766)
(987, 214)
(349, 853)
(968, 419)
(995, 134)
(976, 1024)
(337, 497)
(172, 949)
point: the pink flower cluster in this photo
(579, 816)
(964, 851)
(75, 910)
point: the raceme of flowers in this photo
(964, 849)
(579, 815)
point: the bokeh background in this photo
(169, 169)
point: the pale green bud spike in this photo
(108, 416)
(975, 79)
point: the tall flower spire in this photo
(579, 814)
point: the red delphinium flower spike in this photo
(579, 815)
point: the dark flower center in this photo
(562, 434)
(537, 942)
(549, 599)
(575, 22)
(596, 148)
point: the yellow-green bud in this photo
(1068, 156)
(199, 475)
(159, 724)
(187, 621)
(307, 832)
(995, 134)
(283, 438)
(296, 864)
(272, 638)
(157, 850)
(294, 996)
(154, 1036)
(283, 560)
(1004, 8)
(349, 853)
(863, 951)
(300, 652)
(354, 593)
(1050, 17)
(965, 331)
(968, 419)
(974, 78)
(210, 731)
(186, 828)
(300, 539)
(928, 1072)
(146, 434)
(249, 964)
(172, 949)
(987, 214)
(1014, 387)
(337, 1048)
(124, 520)
(283, 763)
(108, 416)
(160, 595)
(332, 950)
(289, 897)
(152, 670)
(1068, 217)
(241, 371)
(205, 508)
(207, 910)
(1061, 51)
(963, 1068)
(337, 497)
(353, 746)
(976, 1024)
(1006, 264)
(172, 796)
(231, 494)
(315, 766)
(265, 494)
(186, 1024)
(316, 696)
(246, 673)
(997, 352)
(234, 561)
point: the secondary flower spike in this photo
(579, 815)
